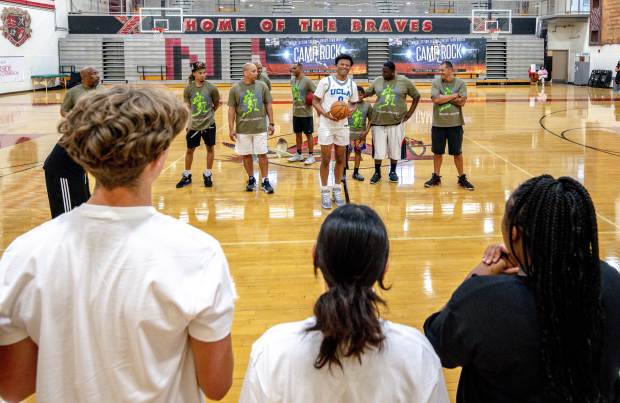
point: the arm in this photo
(231, 123)
(214, 366)
(67, 104)
(460, 101)
(18, 370)
(271, 128)
(414, 105)
(316, 102)
(444, 99)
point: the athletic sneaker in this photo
(358, 177)
(465, 183)
(208, 181)
(435, 180)
(251, 184)
(296, 158)
(337, 195)
(393, 177)
(310, 160)
(185, 180)
(375, 178)
(266, 187)
(326, 201)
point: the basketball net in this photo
(158, 33)
(494, 34)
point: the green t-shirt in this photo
(72, 96)
(448, 115)
(391, 105)
(249, 103)
(265, 78)
(358, 119)
(202, 101)
(300, 89)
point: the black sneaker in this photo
(251, 184)
(266, 186)
(358, 177)
(185, 180)
(393, 177)
(208, 180)
(375, 178)
(465, 183)
(435, 180)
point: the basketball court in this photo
(437, 235)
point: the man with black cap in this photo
(203, 99)
(65, 180)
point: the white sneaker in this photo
(337, 195)
(326, 201)
(296, 158)
(310, 160)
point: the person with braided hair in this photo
(538, 320)
(346, 353)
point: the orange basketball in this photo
(339, 110)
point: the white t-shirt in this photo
(331, 90)
(281, 369)
(110, 294)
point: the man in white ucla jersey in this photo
(337, 87)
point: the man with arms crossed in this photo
(449, 95)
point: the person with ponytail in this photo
(346, 353)
(538, 320)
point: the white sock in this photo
(325, 188)
(187, 173)
(207, 172)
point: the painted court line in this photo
(602, 217)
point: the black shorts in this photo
(207, 135)
(303, 124)
(66, 182)
(454, 137)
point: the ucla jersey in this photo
(331, 90)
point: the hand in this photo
(271, 129)
(329, 116)
(493, 253)
(233, 135)
(407, 117)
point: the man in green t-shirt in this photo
(449, 95)
(303, 122)
(203, 99)
(261, 75)
(389, 116)
(65, 180)
(359, 126)
(249, 103)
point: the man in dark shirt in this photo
(65, 180)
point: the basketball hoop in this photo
(158, 33)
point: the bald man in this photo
(262, 76)
(65, 180)
(249, 102)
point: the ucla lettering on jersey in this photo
(340, 91)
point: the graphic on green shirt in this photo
(388, 97)
(250, 102)
(446, 91)
(356, 120)
(296, 93)
(200, 104)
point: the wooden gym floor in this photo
(437, 235)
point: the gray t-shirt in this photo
(249, 102)
(265, 78)
(300, 89)
(358, 119)
(391, 105)
(202, 101)
(448, 115)
(72, 96)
